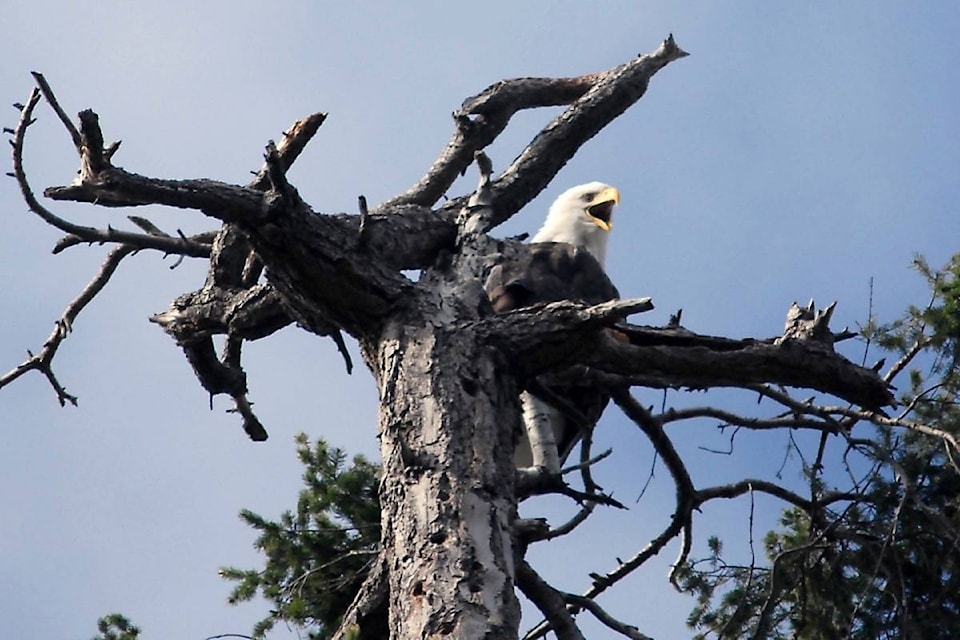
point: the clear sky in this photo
(801, 151)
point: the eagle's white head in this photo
(582, 216)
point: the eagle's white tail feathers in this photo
(539, 448)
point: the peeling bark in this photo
(447, 492)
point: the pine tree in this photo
(116, 627)
(885, 563)
(317, 557)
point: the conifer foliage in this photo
(885, 561)
(315, 558)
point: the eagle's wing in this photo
(548, 272)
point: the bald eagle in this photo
(563, 262)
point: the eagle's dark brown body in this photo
(548, 272)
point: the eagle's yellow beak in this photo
(601, 210)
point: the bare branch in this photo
(179, 246)
(55, 105)
(294, 141)
(906, 358)
(673, 358)
(147, 226)
(602, 583)
(595, 100)
(688, 497)
(686, 544)
(653, 429)
(588, 506)
(231, 302)
(532, 334)
(549, 601)
(729, 418)
(686, 492)
(751, 572)
(852, 416)
(493, 109)
(949, 439)
(249, 314)
(586, 462)
(540, 481)
(251, 424)
(600, 614)
(115, 187)
(888, 540)
(748, 485)
(612, 94)
(355, 296)
(576, 520)
(664, 358)
(364, 216)
(615, 92)
(43, 361)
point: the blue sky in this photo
(801, 151)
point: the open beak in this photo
(601, 211)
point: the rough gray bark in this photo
(447, 494)
(449, 371)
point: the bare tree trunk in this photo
(448, 411)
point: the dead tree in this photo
(448, 370)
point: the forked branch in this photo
(197, 246)
(43, 361)
(595, 100)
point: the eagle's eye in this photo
(588, 197)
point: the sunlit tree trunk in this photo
(448, 411)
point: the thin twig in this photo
(55, 105)
(43, 361)
(588, 506)
(729, 418)
(169, 245)
(600, 614)
(919, 345)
